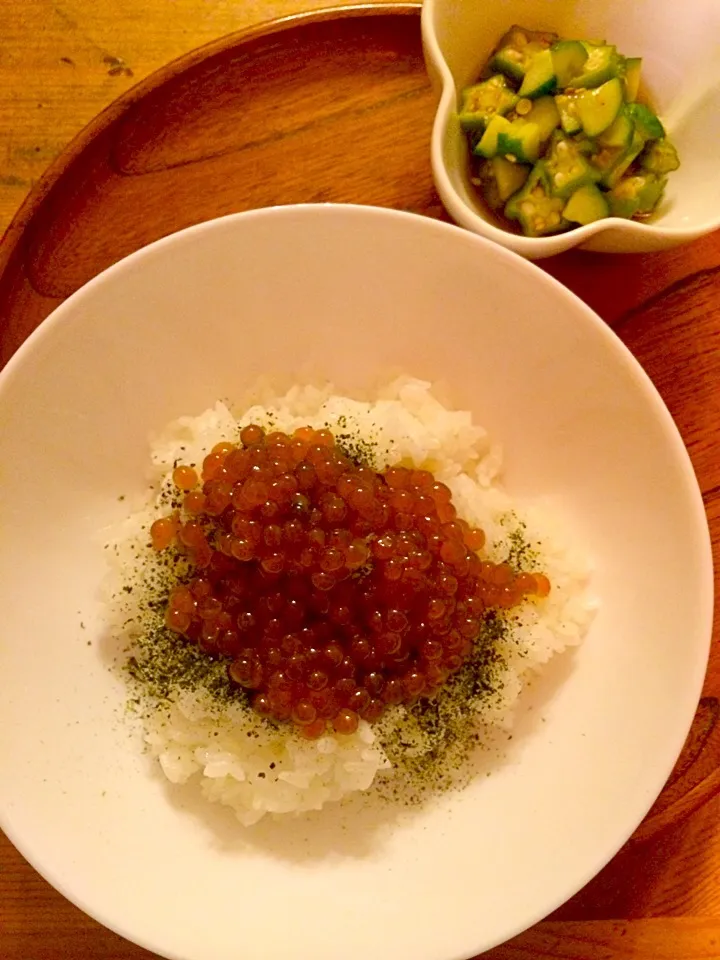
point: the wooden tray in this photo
(336, 106)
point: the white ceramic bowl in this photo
(346, 293)
(680, 47)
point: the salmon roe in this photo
(334, 590)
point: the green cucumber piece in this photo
(624, 161)
(483, 101)
(632, 68)
(636, 195)
(569, 57)
(509, 177)
(516, 49)
(499, 179)
(566, 104)
(487, 145)
(660, 156)
(539, 78)
(566, 168)
(616, 148)
(586, 205)
(613, 162)
(544, 113)
(521, 141)
(602, 64)
(599, 107)
(510, 63)
(537, 212)
(646, 123)
(510, 138)
(619, 133)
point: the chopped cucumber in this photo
(619, 133)
(509, 177)
(660, 156)
(599, 107)
(545, 114)
(500, 179)
(631, 77)
(568, 58)
(487, 146)
(622, 162)
(586, 205)
(602, 64)
(613, 162)
(646, 123)
(562, 136)
(566, 168)
(567, 108)
(483, 101)
(616, 148)
(510, 62)
(516, 50)
(636, 196)
(625, 161)
(537, 212)
(515, 138)
(521, 141)
(540, 76)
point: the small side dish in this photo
(326, 595)
(558, 136)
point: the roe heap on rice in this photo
(335, 589)
(325, 595)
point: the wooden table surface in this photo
(61, 63)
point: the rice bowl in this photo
(202, 315)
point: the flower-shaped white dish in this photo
(346, 294)
(680, 48)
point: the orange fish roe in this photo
(335, 590)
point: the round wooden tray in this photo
(336, 106)
(332, 106)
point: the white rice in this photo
(257, 769)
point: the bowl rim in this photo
(62, 314)
(464, 214)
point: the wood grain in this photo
(64, 61)
(689, 939)
(212, 134)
